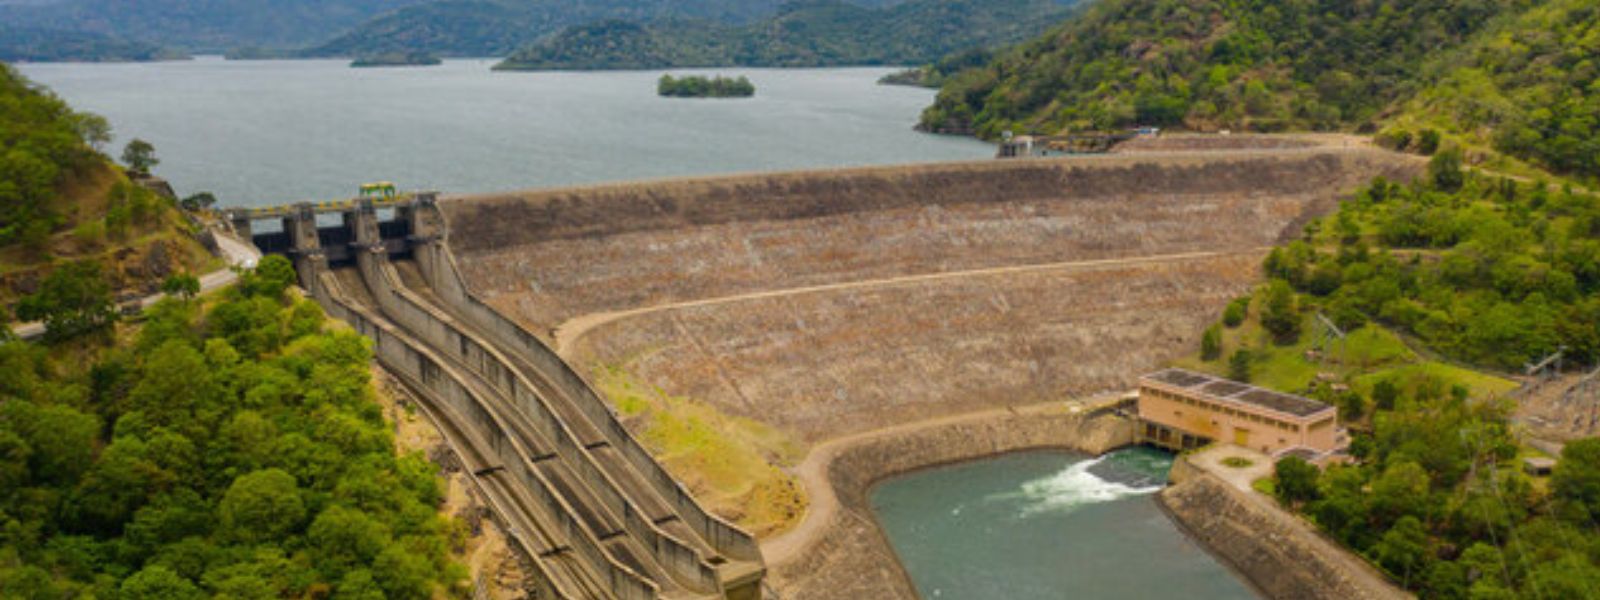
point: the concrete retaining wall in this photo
(437, 329)
(853, 559)
(438, 267)
(1276, 552)
(419, 368)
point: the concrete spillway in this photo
(598, 516)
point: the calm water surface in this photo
(1047, 525)
(267, 132)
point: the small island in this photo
(396, 59)
(697, 86)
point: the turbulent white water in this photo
(1072, 488)
(1046, 526)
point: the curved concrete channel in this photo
(580, 497)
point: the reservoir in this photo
(1046, 525)
(271, 132)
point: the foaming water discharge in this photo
(1046, 525)
(1076, 487)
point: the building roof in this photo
(1217, 387)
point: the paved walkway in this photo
(238, 253)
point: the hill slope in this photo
(804, 34)
(497, 27)
(202, 26)
(1242, 64)
(61, 200)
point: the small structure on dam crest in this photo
(1182, 409)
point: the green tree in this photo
(73, 300)
(1239, 365)
(1444, 170)
(261, 506)
(183, 285)
(1297, 480)
(198, 202)
(1577, 475)
(1211, 343)
(1281, 316)
(343, 538)
(1428, 141)
(1237, 310)
(158, 583)
(139, 156)
(270, 278)
(1384, 394)
(1403, 550)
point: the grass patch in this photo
(735, 466)
(1266, 485)
(1362, 358)
(1237, 462)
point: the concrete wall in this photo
(1278, 554)
(853, 558)
(439, 268)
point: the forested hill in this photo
(61, 199)
(498, 27)
(41, 45)
(213, 25)
(1241, 64)
(804, 34)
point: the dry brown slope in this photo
(823, 362)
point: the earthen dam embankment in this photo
(835, 302)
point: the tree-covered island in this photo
(699, 86)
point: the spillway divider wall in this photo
(417, 369)
(412, 360)
(438, 266)
(685, 562)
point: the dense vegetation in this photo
(396, 59)
(199, 26)
(1523, 88)
(43, 144)
(1511, 76)
(61, 199)
(228, 449)
(804, 34)
(696, 86)
(934, 75)
(42, 45)
(496, 28)
(1484, 271)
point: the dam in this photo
(837, 307)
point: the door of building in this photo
(1241, 437)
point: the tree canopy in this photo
(229, 450)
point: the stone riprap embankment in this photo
(1276, 552)
(849, 556)
(843, 301)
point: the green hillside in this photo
(195, 26)
(804, 34)
(1524, 87)
(498, 27)
(1511, 80)
(1209, 64)
(61, 200)
(43, 45)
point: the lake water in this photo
(1047, 525)
(269, 132)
